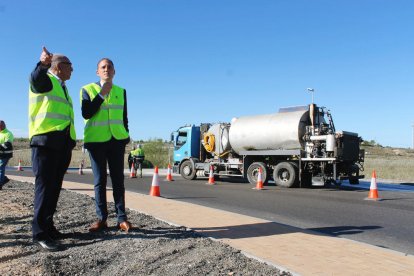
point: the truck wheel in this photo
(306, 179)
(354, 180)
(253, 172)
(285, 175)
(187, 170)
(353, 176)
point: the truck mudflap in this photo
(176, 168)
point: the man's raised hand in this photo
(45, 57)
(106, 88)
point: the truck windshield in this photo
(181, 139)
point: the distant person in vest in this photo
(6, 151)
(52, 138)
(104, 108)
(138, 152)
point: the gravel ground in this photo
(152, 248)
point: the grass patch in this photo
(389, 163)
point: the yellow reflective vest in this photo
(108, 122)
(138, 152)
(6, 140)
(6, 136)
(50, 111)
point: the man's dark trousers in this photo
(49, 168)
(111, 152)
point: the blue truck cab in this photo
(186, 142)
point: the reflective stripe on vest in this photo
(50, 111)
(42, 98)
(51, 116)
(108, 121)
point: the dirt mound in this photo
(152, 248)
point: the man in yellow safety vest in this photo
(6, 151)
(52, 137)
(104, 108)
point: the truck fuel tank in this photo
(282, 130)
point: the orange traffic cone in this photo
(169, 175)
(373, 191)
(132, 174)
(155, 186)
(211, 176)
(259, 182)
(19, 168)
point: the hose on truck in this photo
(209, 141)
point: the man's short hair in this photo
(107, 59)
(58, 58)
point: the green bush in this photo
(157, 152)
(371, 143)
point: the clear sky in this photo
(192, 61)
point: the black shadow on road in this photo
(344, 230)
(247, 230)
(407, 184)
(272, 228)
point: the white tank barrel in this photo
(282, 130)
(221, 135)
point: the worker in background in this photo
(104, 108)
(6, 151)
(136, 157)
(138, 152)
(52, 137)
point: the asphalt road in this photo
(338, 211)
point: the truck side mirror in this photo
(172, 137)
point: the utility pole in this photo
(413, 136)
(311, 90)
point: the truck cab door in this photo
(186, 143)
(181, 146)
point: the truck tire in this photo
(353, 180)
(286, 174)
(353, 177)
(306, 180)
(253, 171)
(187, 170)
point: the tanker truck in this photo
(296, 147)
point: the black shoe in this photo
(56, 235)
(47, 244)
(6, 179)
